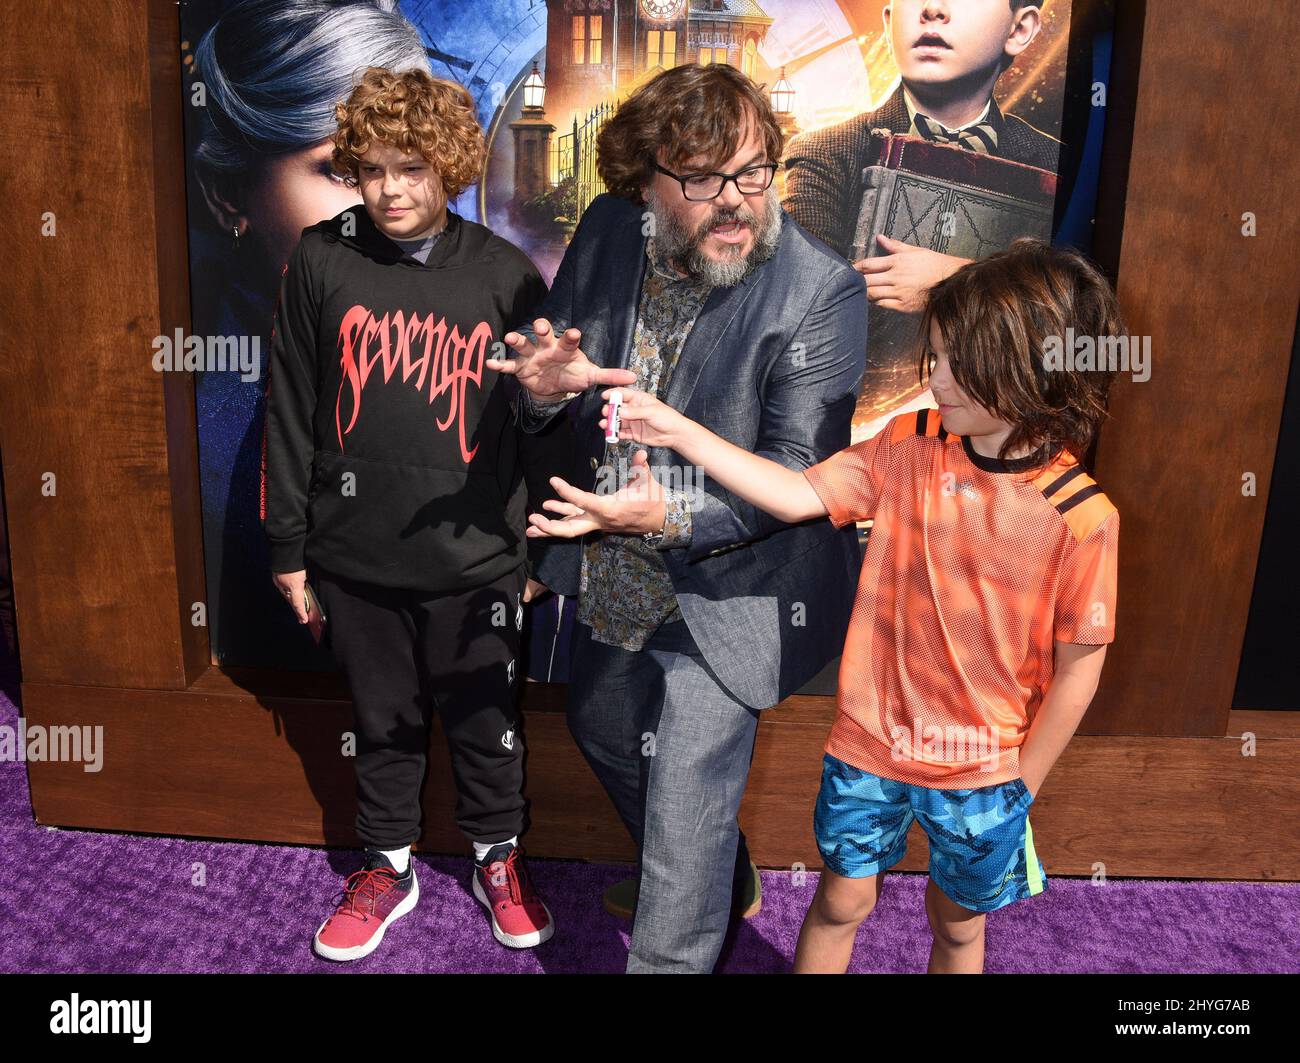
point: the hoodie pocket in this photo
(412, 525)
(320, 467)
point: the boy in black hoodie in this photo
(394, 467)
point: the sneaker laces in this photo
(512, 882)
(368, 885)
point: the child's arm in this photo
(288, 441)
(785, 493)
(1084, 625)
(1074, 682)
(844, 487)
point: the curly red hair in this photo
(414, 112)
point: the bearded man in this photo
(687, 280)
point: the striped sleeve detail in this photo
(1090, 509)
(1075, 495)
(1057, 478)
(925, 423)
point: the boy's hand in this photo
(900, 279)
(644, 419)
(635, 509)
(534, 590)
(554, 366)
(291, 586)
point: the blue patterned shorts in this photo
(981, 845)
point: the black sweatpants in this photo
(404, 651)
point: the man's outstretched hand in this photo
(554, 366)
(634, 509)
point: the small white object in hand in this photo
(615, 405)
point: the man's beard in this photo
(681, 246)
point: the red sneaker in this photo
(503, 886)
(373, 899)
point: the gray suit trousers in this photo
(672, 749)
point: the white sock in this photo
(481, 848)
(399, 858)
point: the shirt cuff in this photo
(816, 480)
(288, 555)
(677, 519)
(547, 409)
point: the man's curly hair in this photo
(689, 111)
(415, 113)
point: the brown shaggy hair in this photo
(995, 316)
(689, 110)
(414, 113)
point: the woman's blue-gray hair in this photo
(274, 69)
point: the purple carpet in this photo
(84, 901)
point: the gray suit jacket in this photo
(772, 364)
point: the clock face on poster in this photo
(662, 9)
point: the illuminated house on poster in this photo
(603, 50)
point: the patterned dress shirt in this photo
(625, 591)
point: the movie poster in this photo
(262, 77)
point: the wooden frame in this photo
(107, 568)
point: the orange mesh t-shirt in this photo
(973, 569)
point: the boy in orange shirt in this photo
(985, 602)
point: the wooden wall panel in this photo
(1216, 100)
(225, 765)
(106, 569)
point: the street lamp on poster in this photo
(783, 95)
(534, 91)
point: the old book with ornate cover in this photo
(947, 199)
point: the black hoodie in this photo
(390, 454)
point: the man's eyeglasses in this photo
(701, 186)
